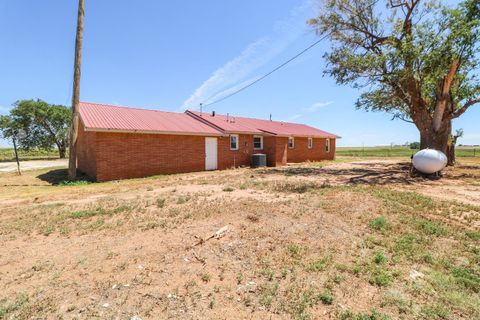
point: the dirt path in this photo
(32, 165)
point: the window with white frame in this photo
(258, 143)
(310, 143)
(327, 145)
(234, 142)
(291, 142)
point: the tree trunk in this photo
(61, 151)
(440, 140)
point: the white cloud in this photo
(255, 55)
(317, 105)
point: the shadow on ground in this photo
(359, 173)
(60, 176)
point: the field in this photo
(355, 238)
(397, 151)
(8, 154)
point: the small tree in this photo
(414, 145)
(417, 60)
(45, 125)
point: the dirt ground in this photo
(348, 239)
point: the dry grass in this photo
(302, 243)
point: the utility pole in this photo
(72, 163)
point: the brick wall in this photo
(111, 156)
(301, 152)
(128, 155)
(276, 150)
(235, 158)
(86, 151)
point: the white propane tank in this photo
(429, 161)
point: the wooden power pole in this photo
(72, 163)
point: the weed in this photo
(294, 250)
(379, 258)
(206, 277)
(74, 183)
(431, 228)
(48, 230)
(381, 278)
(269, 292)
(326, 297)
(211, 304)
(239, 278)
(472, 235)
(318, 265)
(379, 223)
(160, 202)
(435, 312)
(228, 189)
(183, 199)
(374, 315)
(9, 307)
(269, 274)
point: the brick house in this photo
(118, 142)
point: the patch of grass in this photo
(160, 202)
(183, 199)
(294, 250)
(83, 214)
(406, 244)
(466, 277)
(318, 265)
(65, 183)
(472, 235)
(374, 315)
(326, 297)
(8, 307)
(48, 230)
(299, 187)
(381, 278)
(228, 189)
(379, 258)
(379, 223)
(206, 277)
(431, 228)
(434, 312)
(268, 294)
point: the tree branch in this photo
(467, 105)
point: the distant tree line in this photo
(42, 125)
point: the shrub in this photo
(326, 297)
(379, 223)
(379, 258)
(160, 202)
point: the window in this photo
(258, 142)
(327, 145)
(291, 143)
(310, 143)
(234, 142)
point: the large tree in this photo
(417, 60)
(45, 125)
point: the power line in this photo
(267, 74)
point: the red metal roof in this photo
(233, 124)
(104, 117)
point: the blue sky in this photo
(170, 55)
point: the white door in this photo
(210, 153)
